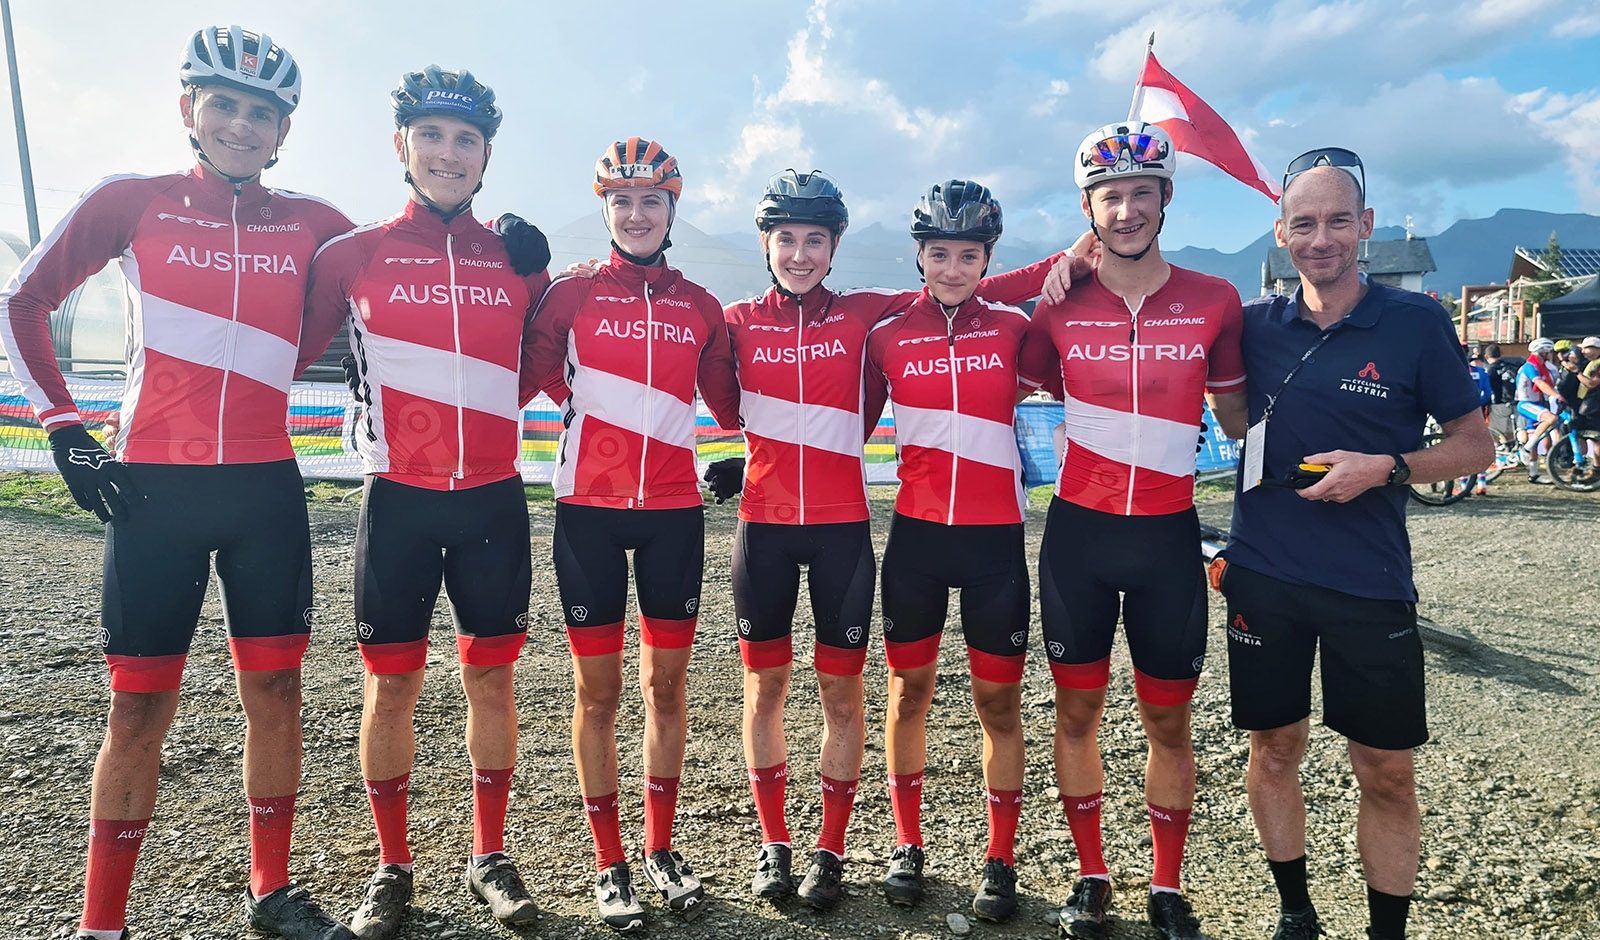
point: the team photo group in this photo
(454, 325)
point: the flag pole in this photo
(22, 129)
(1138, 83)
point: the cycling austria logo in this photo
(1365, 382)
(1239, 632)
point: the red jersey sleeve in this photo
(1019, 286)
(334, 269)
(874, 384)
(96, 230)
(1038, 363)
(1225, 359)
(544, 341)
(718, 377)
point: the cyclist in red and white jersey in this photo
(624, 352)
(215, 266)
(949, 365)
(800, 349)
(1135, 350)
(437, 314)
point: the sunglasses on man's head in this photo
(1141, 148)
(1327, 156)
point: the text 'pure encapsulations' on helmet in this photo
(441, 93)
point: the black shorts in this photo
(590, 550)
(1095, 566)
(1372, 677)
(475, 541)
(766, 586)
(158, 560)
(923, 561)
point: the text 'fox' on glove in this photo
(98, 483)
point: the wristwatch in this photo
(1401, 474)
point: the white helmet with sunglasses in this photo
(1124, 150)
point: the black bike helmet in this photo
(805, 198)
(957, 209)
(436, 91)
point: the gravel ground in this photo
(1510, 784)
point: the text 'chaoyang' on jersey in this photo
(215, 284)
(1134, 384)
(953, 381)
(800, 393)
(630, 345)
(436, 327)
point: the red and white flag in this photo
(1159, 98)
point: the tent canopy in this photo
(1575, 315)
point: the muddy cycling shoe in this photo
(1301, 925)
(388, 899)
(81, 935)
(1085, 913)
(619, 906)
(903, 883)
(289, 912)
(494, 881)
(1172, 917)
(996, 899)
(772, 879)
(669, 874)
(823, 882)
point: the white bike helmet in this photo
(1542, 345)
(242, 60)
(1127, 149)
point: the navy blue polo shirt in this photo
(1385, 367)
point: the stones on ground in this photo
(1444, 893)
(958, 924)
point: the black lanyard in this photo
(1272, 400)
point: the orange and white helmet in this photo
(637, 163)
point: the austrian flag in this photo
(1195, 128)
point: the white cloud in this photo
(1046, 105)
(1579, 26)
(1574, 121)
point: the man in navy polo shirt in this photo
(1342, 375)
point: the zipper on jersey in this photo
(233, 324)
(1133, 358)
(455, 317)
(800, 399)
(649, 384)
(955, 413)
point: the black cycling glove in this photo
(352, 376)
(527, 246)
(98, 483)
(726, 478)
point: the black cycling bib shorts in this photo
(766, 588)
(590, 551)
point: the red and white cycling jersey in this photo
(436, 318)
(800, 393)
(215, 281)
(953, 381)
(1133, 381)
(630, 345)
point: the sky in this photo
(1459, 110)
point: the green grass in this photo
(41, 495)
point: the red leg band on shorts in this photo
(767, 654)
(1083, 676)
(268, 653)
(392, 659)
(604, 640)
(834, 661)
(146, 673)
(488, 651)
(666, 634)
(913, 655)
(1163, 693)
(992, 668)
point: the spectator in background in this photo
(1588, 407)
(1503, 390)
(1480, 376)
(1537, 401)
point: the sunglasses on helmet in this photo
(1327, 156)
(1140, 148)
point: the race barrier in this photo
(322, 420)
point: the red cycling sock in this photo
(660, 806)
(388, 799)
(606, 830)
(113, 848)
(905, 799)
(838, 799)
(491, 791)
(1083, 818)
(1169, 829)
(1005, 808)
(768, 785)
(271, 826)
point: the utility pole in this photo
(22, 128)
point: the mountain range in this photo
(1470, 251)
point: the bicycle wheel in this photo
(1506, 455)
(1579, 472)
(1444, 492)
